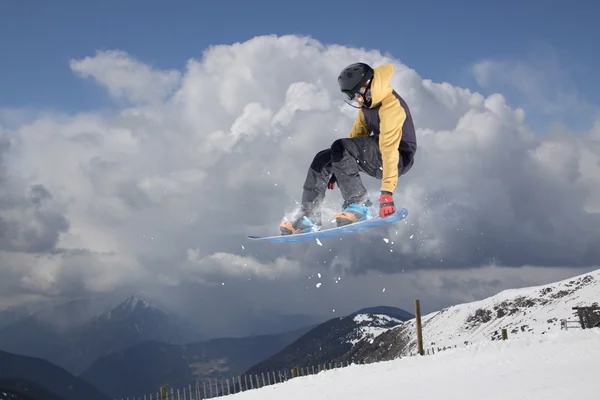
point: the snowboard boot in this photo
(300, 225)
(352, 213)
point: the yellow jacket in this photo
(385, 117)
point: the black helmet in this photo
(353, 77)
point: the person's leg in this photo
(313, 193)
(346, 158)
(349, 157)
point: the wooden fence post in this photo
(294, 372)
(419, 327)
(163, 393)
(504, 334)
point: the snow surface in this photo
(380, 319)
(368, 333)
(554, 366)
(524, 311)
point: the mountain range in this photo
(67, 337)
(144, 367)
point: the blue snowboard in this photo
(399, 215)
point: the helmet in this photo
(354, 77)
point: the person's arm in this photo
(359, 128)
(391, 118)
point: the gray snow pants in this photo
(346, 158)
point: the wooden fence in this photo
(212, 388)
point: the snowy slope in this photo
(527, 311)
(544, 367)
(531, 310)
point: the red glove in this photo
(332, 181)
(386, 205)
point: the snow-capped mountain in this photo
(369, 326)
(126, 308)
(328, 341)
(133, 321)
(534, 310)
(70, 336)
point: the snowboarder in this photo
(382, 144)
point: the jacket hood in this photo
(380, 86)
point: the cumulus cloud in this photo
(30, 220)
(235, 266)
(127, 78)
(164, 191)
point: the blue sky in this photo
(439, 39)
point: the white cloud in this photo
(235, 266)
(302, 96)
(127, 78)
(219, 150)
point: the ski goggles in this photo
(363, 92)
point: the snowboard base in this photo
(399, 215)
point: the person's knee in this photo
(320, 160)
(337, 149)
